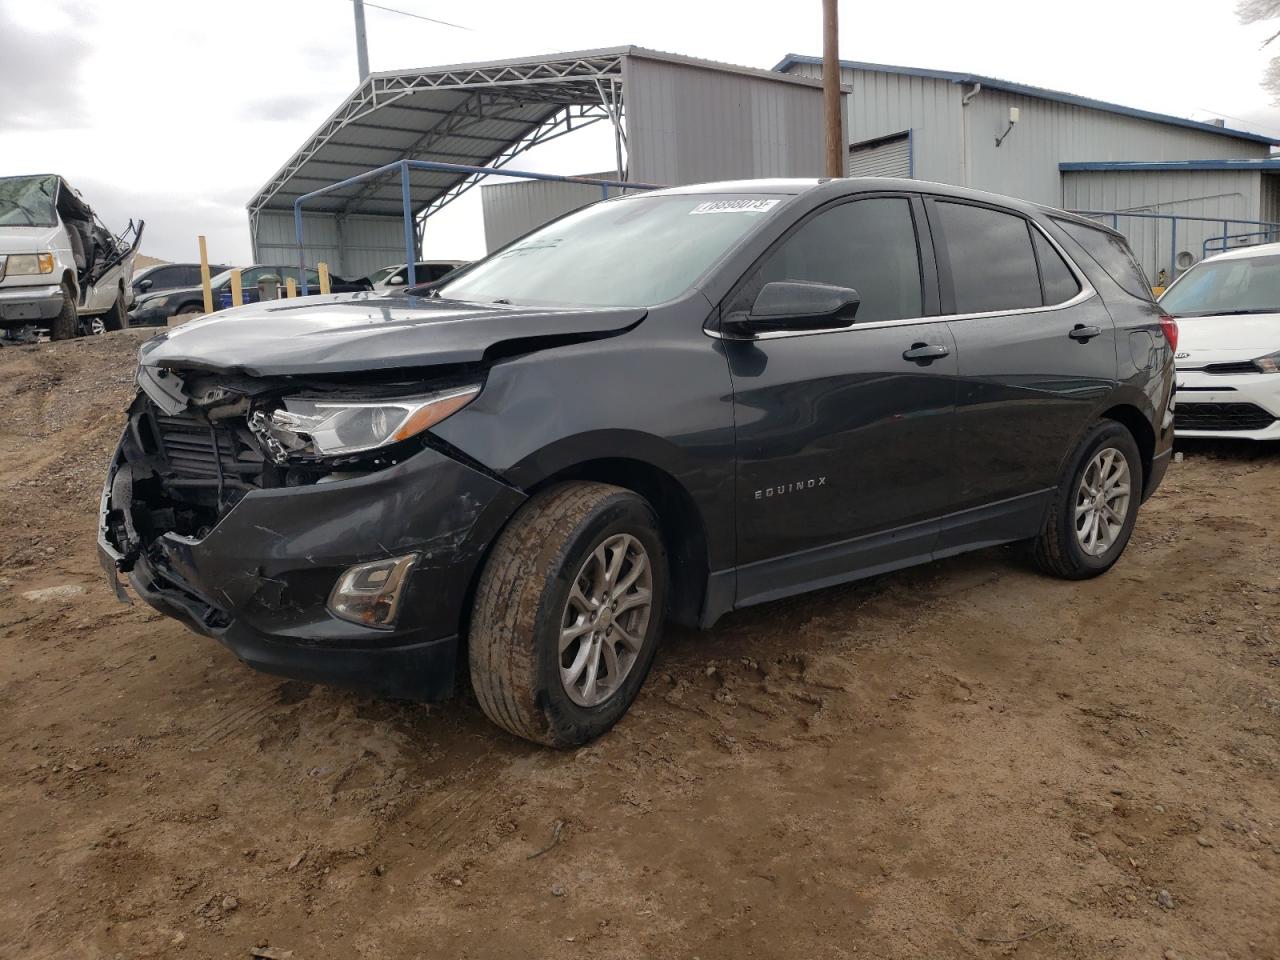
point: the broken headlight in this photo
(309, 427)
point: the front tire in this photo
(567, 613)
(66, 324)
(1095, 507)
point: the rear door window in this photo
(1059, 283)
(1112, 254)
(869, 245)
(993, 266)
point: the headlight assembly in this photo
(306, 427)
(29, 264)
(1268, 364)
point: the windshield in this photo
(379, 275)
(28, 201)
(631, 252)
(1250, 285)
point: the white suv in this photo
(1228, 361)
(61, 270)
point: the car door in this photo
(1037, 353)
(843, 435)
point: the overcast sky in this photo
(176, 112)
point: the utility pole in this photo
(362, 42)
(830, 88)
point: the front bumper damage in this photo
(30, 304)
(257, 580)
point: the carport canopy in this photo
(488, 114)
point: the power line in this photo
(416, 16)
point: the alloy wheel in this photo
(606, 618)
(1102, 501)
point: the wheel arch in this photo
(1137, 423)
(680, 522)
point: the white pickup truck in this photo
(61, 270)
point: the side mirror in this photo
(799, 306)
(145, 285)
(399, 280)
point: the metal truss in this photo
(564, 122)
(571, 82)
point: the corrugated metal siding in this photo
(881, 104)
(1198, 193)
(882, 158)
(956, 144)
(1049, 133)
(354, 247)
(692, 125)
(513, 209)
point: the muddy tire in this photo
(1095, 507)
(567, 613)
(66, 325)
(117, 318)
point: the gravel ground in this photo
(962, 760)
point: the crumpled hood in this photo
(1205, 340)
(366, 331)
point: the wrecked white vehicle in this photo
(62, 272)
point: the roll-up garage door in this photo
(881, 157)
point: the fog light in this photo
(369, 593)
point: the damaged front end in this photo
(311, 525)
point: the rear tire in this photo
(66, 325)
(1095, 507)
(549, 661)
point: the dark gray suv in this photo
(668, 405)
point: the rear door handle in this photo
(1083, 333)
(925, 353)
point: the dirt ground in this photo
(962, 760)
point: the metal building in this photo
(1060, 149)
(675, 120)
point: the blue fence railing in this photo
(1270, 230)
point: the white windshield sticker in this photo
(734, 206)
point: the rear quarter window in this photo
(1112, 254)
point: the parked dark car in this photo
(251, 275)
(166, 290)
(170, 276)
(668, 405)
(157, 309)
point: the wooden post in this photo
(204, 277)
(323, 268)
(836, 147)
(290, 287)
(237, 291)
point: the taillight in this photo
(1169, 327)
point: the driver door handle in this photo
(925, 353)
(1083, 333)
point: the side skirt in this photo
(1018, 518)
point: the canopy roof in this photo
(482, 114)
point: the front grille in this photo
(1221, 416)
(199, 451)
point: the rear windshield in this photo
(632, 252)
(1249, 285)
(28, 201)
(1112, 254)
